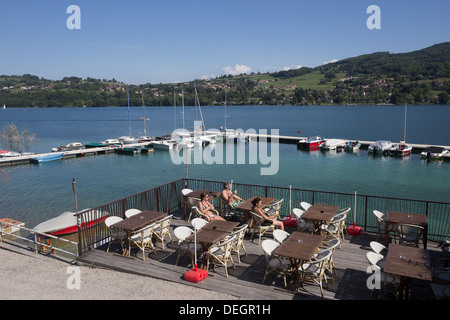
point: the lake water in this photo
(33, 193)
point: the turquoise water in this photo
(33, 193)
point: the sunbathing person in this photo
(231, 199)
(207, 208)
(257, 208)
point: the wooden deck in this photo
(245, 281)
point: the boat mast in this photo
(404, 132)
(199, 108)
(225, 125)
(174, 110)
(182, 105)
(143, 111)
(129, 121)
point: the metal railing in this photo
(36, 239)
(168, 198)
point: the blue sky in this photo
(140, 41)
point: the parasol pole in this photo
(290, 202)
(354, 230)
(74, 188)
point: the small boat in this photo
(69, 147)
(240, 137)
(129, 150)
(400, 149)
(433, 153)
(128, 140)
(8, 154)
(311, 143)
(164, 144)
(352, 145)
(144, 139)
(10, 226)
(66, 223)
(380, 146)
(48, 157)
(333, 144)
(110, 142)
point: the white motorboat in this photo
(69, 147)
(144, 139)
(164, 144)
(434, 153)
(66, 223)
(380, 146)
(110, 142)
(311, 143)
(352, 145)
(400, 149)
(333, 144)
(7, 153)
(128, 140)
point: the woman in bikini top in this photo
(207, 208)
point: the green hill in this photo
(417, 77)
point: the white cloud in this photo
(331, 61)
(237, 69)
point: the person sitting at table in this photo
(257, 208)
(207, 208)
(231, 199)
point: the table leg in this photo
(386, 233)
(425, 237)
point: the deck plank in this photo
(245, 281)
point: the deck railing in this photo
(168, 198)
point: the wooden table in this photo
(219, 225)
(298, 248)
(406, 218)
(320, 213)
(137, 222)
(247, 205)
(408, 263)
(196, 194)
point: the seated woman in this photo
(207, 208)
(257, 208)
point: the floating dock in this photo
(26, 159)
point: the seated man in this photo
(231, 199)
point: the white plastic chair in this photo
(274, 263)
(305, 205)
(195, 211)
(381, 224)
(131, 212)
(302, 224)
(184, 248)
(384, 278)
(190, 201)
(115, 234)
(377, 247)
(280, 235)
(198, 223)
